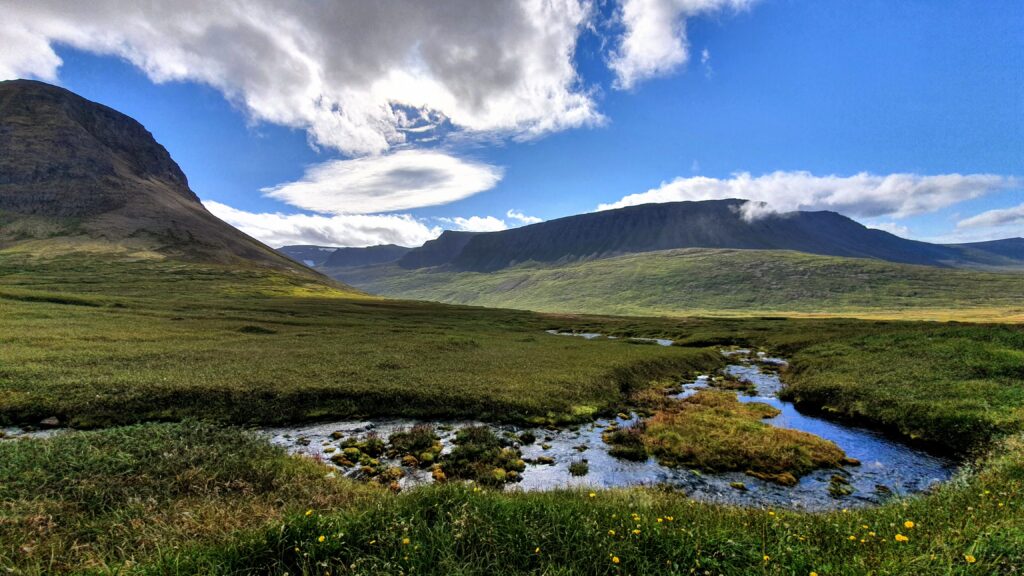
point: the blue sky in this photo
(906, 115)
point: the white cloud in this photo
(475, 223)
(891, 228)
(654, 42)
(397, 181)
(862, 195)
(276, 229)
(358, 76)
(522, 218)
(1013, 216)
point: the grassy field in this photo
(717, 282)
(100, 342)
(113, 340)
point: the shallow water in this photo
(14, 433)
(885, 463)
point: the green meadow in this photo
(718, 282)
(170, 361)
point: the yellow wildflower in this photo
(767, 557)
(814, 574)
(309, 512)
(593, 494)
(405, 541)
(321, 538)
(536, 550)
(901, 538)
(970, 559)
(615, 559)
(611, 532)
(908, 524)
(852, 537)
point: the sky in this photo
(356, 123)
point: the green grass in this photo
(159, 339)
(953, 386)
(106, 499)
(163, 340)
(453, 530)
(705, 281)
(194, 499)
(712, 430)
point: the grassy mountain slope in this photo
(724, 282)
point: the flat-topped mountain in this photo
(704, 224)
(77, 170)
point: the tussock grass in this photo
(100, 500)
(453, 529)
(712, 430)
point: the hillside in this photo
(79, 176)
(705, 224)
(700, 281)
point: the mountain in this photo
(1012, 248)
(703, 224)
(75, 173)
(308, 254)
(441, 250)
(349, 257)
(332, 257)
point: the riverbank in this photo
(195, 499)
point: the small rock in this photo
(738, 486)
(51, 422)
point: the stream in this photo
(887, 467)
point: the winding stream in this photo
(887, 467)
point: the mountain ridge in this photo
(709, 224)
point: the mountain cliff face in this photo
(442, 250)
(706, 224)
(75, 169)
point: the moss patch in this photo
(714, 431)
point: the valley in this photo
(178, 398)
